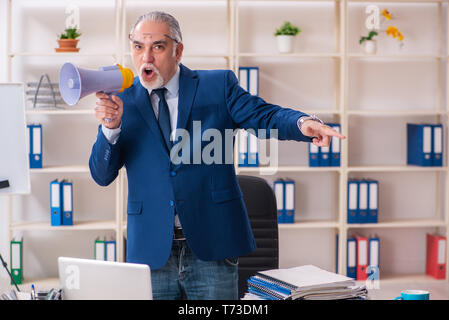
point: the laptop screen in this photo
(86, 279)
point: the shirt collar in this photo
(172, 85)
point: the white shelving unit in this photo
(78, 172)
(240, 45)
(343, 113)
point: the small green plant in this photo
(70, 33)
(369, 37)
(287, 29)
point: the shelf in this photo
(268, 170)
(320, 112)
(62, 54)
(390, 113)
(66, 111)
(277, 1)
(308, 225)
(290, 55)
(78, 226)
(387, 57)
(395, 169)
(62, 169)
(393, 1)
(400, 224)
(205, 55)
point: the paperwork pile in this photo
(305, 282)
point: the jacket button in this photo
(172, 203)
(173, 173)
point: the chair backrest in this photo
(260, 203)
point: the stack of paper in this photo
(305, 282)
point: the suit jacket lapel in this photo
(143, 104)
(188, 83)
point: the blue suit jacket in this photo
(206, 197)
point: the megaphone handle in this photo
(108, 120)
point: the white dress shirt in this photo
(171, 96)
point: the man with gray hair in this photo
(187, 221)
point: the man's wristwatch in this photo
(302, 119)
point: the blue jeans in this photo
(184, 276)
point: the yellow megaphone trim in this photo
(128, 77)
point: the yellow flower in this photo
(393, 31)
(386, 14)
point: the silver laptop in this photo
(85, 279)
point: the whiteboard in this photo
(14, 162)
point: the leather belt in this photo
(178, 234)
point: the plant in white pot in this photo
(369, 44)
(285, 36)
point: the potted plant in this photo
(68, 41)
(285, 36)
(370, 45)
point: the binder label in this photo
(373, 196)
(37, 140)
(279, 195)
(253, 81)
(437, 143)
(67, 198)
(289, 196)
(363, 253)
(427, 139)
(441, 251)
(363, 196)
(313, 148)
(374, 253)
(351, 253)
(243, 79)
(336, 141)
(55, 195)
(353, 196)
(253, 143)
(243, 141)
(100, 250)
(15, 261)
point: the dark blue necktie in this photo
(164, 116)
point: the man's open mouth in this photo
(148, 71)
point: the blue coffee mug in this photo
(413, 295)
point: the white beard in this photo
(156, 84)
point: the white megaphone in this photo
(75, 83)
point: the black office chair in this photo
(260, 203)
